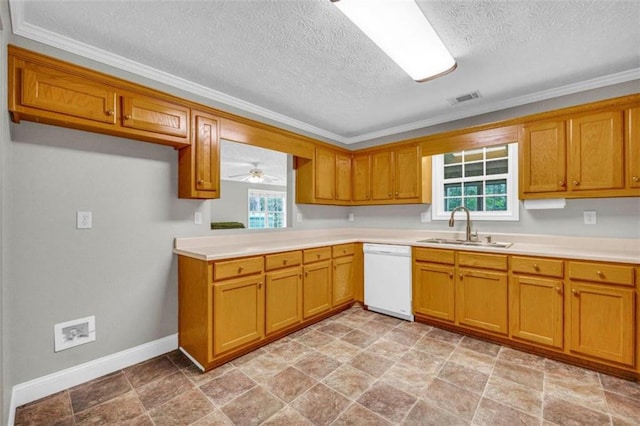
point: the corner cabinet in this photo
(580, 157)
(325, 179)
(199, 163)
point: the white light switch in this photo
(352, 217)
(84, 220)
(590, 218)
(197, 218)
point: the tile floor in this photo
(356, 368)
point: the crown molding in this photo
(23, 29)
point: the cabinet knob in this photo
(200, 181)
(127, 117)
(300, 276)
(562, 184)
(575, 292)
(240, 269)
(635, 179)
(599, 273)
(306, 274)
(559, 290)
(536, 267)
(576, 183)
(259, 285)
(284, 262)
(109, 112)
(389, 194)
(460, 276)
(397, 193)
(450, 274)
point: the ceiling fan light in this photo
(255, 179)
(402, 31)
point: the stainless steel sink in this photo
(465, 243)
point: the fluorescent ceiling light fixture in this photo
(402, 31)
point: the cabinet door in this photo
(56, 91)
(434, 291)
(382, 175)
(633, 147)
(343, 177)
(482, 300)
(596, 158)
(154, 115)
(537, 310)
(283, 300)
(602, 322)
(238, 313)
(325, 174)
(407, 172)
(361, 172)
(543, 158)
(343, 279)
(316, 288)
(207, 154)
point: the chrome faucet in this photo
(451, 222)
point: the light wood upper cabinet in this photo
(396, 175)
(361, 177)
(543, 158)
(596, 152)
(324, 180)
(59, 92)
(632, 137)
(580, 157)
(199, 164)
(238, 313)
(155, 115)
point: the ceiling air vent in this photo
(464, 98)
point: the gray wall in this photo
(5, 383)
(232, 206)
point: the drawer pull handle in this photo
(575, 292)
(127, 117)
(576, 183)
(559, 290)
(240, 269)
(562, 184)
(306, 274)
(109, 112)
(460, 276)
(259, 285)
(636, 179)
(599, 273)
(536, 267)
(397, 193)
(200, 181)
(284, 262)
(450, 274)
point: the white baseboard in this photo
(32, 390)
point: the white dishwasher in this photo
(387, 279)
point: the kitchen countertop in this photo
(248, 243)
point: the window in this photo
(267, 209)
(484, 180)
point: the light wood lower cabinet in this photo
(238, 313)
(283, 299)
(317, 288)
(537, 310)
(343, 290)
(434, 290)
(602, 321)
(482, 300)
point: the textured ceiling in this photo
(302, 63)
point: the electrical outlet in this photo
(299, 217)
(425, 217)
(73, 333)
(590, 217)
(352, 217)
(84, 220)
(197, 218)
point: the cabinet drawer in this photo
(237, 268)
(601, 272)
(316, 254)
(343, 250)
(433, 255)
(480, 260)
(537, 266)
(282, 260)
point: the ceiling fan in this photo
(255, 175)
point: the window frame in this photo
(513, 203)
(266, 193)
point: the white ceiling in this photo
(237, 159)
(303, 64)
